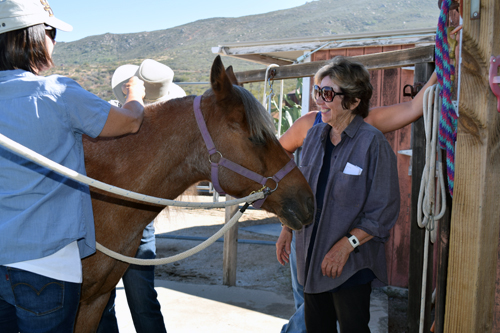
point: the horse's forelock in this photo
(260, 123)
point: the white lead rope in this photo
(43, 161)
(177, 257)
(427, 196)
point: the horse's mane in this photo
(260, 123)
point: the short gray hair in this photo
(354, 81)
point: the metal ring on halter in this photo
(271, 191)
(210, 156)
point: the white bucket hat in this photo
(157, 79)
(19, 14)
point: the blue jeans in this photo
(138, 282)
(34, 303)
(296, 323)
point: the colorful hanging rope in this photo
(448, 118)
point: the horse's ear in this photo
(232, 77)
(221, 84)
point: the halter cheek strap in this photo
(231, 165)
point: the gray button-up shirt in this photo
(368, 201)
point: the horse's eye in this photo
(257, 141)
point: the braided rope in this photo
(177, 257)
(448, 119)
(64, 171)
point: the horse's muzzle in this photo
(297, 212)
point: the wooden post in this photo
(474, 229)
(443, 241)
(230, 249)
(423, 72)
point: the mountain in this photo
(187, 48)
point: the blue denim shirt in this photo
(41, 211)
(369, 201)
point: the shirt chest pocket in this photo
(348, 190)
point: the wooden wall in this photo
(388, 89)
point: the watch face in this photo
(354, 241)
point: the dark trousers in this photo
(139, 284)
(349, 306)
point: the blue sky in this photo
(96, 17)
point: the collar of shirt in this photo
(350, 130)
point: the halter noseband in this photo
(233, 166)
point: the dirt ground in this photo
(257, 267)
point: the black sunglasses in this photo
(51, 32)
(327, 93)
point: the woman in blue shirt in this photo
(46, 222)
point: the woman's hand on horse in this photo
(129, 117)
(283, 245)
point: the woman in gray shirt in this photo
(352, 169)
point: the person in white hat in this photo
(157, 77)
(46, 221)
(138, 281)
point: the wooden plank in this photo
(264, 59)
(422, 73)
(475, 228)
(349, 41)
(400, 233)
(336, 52)
(443, 241)
(230, 248)
(390, 96)
(375, 79)
(354, 52)
(385, 60)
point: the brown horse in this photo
(166, 157)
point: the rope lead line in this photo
(62, 170)
(177, 257)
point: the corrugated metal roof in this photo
(287, 51)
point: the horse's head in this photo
(243, 132)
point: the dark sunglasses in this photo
(327, 93)
(51, 32)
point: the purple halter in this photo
(233, 166)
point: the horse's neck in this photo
(175, 149)
(163, 159)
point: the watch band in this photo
(354, 242)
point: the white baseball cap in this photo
(20, 14)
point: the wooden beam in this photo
(385, 60)
(263, 59)
(443, 250)
(474, 229)
(230, 248)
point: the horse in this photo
(167, 156)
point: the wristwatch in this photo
(354, 242)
